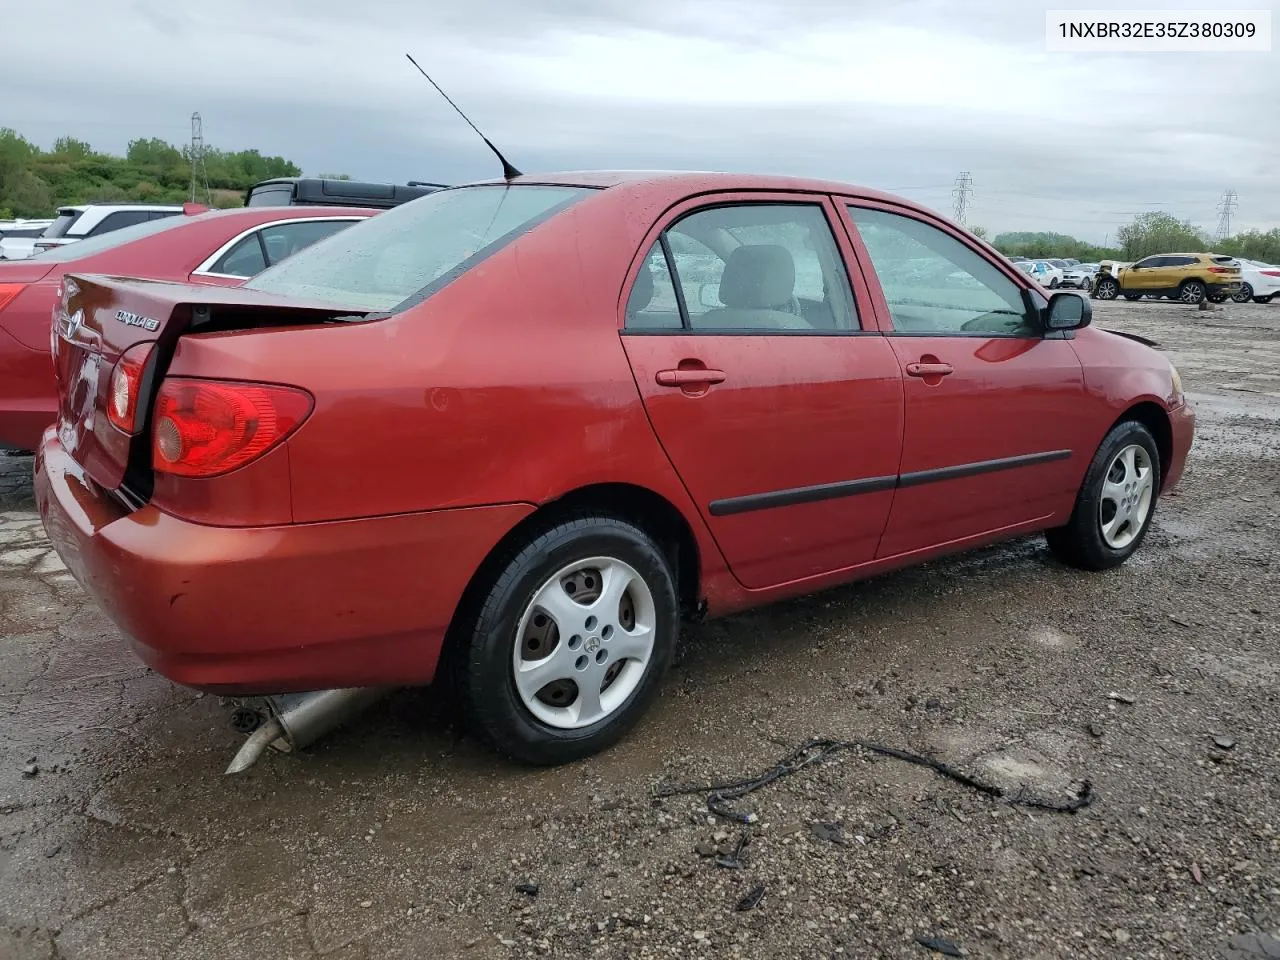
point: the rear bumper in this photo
(1182, 420)
(258, 610)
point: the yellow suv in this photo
(1188, 277)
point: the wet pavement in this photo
(398, 837)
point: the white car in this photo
(1259, 282)
(1043, 272)
(90, 220)
(1080, 276)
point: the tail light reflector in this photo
(1222, 270)
(208, 427)
(126, 387)
(8, 291)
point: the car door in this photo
(991, 442)
(249, 253)
(1149, 273)
(781, 412)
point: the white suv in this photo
(91, 220)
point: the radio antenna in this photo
(508, 171)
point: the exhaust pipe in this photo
(298, 719)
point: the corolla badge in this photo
(133, 320)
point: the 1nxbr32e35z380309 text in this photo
(1158, 30)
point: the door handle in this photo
(688, 377)
(929, 369)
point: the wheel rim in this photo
(584, 642)
(1191, 293)
(1107, 289)
(1243, 294)
(1127, 491)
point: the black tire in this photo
(1079, 543)
(1267, 299)
(1053, 284)
(1244, 294)
(1108, 289)
(1133, 296)
(484, 671)
(1219, 298)
(1192, 291)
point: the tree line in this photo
(35, 182)
(1148, 234)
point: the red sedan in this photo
(224, 247)
(522, 428)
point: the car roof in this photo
(698, 181)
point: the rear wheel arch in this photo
(652, 513)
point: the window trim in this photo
(1030, 294)
(656, 234)
(204, 269)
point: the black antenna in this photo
(508, 171)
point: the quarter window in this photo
(652, 304)
(934, 284)
(245, 259)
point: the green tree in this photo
(979, 232)
(1153, 232)
(1253, 245)
(1048, 244)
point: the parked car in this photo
(75, 223)
(570, 451)
(1189, 277)
(225, 247)
(1043, 272)
(332, 192)
(1070, 262)
(1060, 264)
(1080, 276)
(23, 228)
(1259, 282)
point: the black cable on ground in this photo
(820, 749)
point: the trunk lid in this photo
(100, 318)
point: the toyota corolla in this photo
(513, 432)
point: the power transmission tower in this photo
(199, 178)
(960, 196)
(1226, 206)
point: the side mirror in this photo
(1068, 311)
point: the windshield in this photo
(105, 241)
(414, 249)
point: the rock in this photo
(705, 849)
(1095, 730)
(939, 945)
(1120, 935)
(30, 770)
(528, 889)
(751, 900)
(1223, 743)
(1120, 697)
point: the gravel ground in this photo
(400, 838)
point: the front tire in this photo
(1244, 294)
(1108, 289)
(570, 644)
(1115, 504)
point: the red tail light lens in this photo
(126, 387)
(1270, 273)
(8, 291)
(207, 427)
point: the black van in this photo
(323, 192)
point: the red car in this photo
(223, 247)
(522, 428)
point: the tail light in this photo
(208, 427)
(8, 291)
(126, 387)
(1265, 273)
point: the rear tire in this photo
(1267, 299)
(1133, 296)
(1116, 502)
(534, 649)
(1192, 291)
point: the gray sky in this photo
(896, 94)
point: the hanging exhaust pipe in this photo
(299, 719)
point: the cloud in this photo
(899, 94)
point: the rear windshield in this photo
(276, 195)
(105, 241)
(62, 224)
(414, 249)
(1224, 259)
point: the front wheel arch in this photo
(1155, 418)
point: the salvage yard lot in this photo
(399, 838)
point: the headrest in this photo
(641, 290)
(758, 277)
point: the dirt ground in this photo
(399, 838)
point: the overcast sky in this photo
(892, 94)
